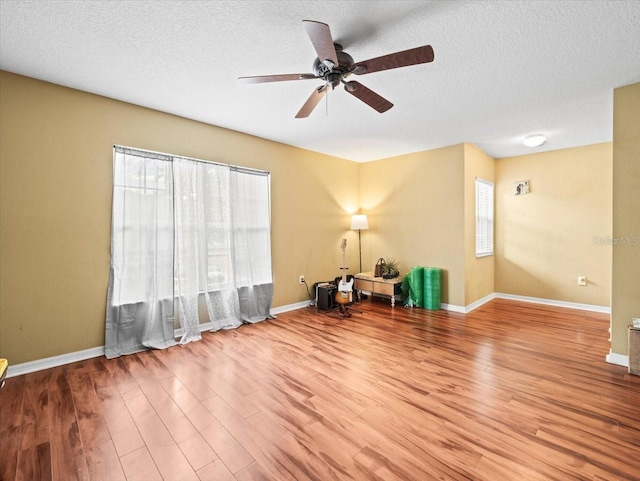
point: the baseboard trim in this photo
(475, 304)
(470, 307)
(553, 302)
(618, 359)
(54, 361)
(452, 308)
(289, 307)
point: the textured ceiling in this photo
(502, 69)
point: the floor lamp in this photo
(359, 222)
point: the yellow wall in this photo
(415, 205)
(421, 211)
(55, 208)
(625, 297)
(479, 272)
(547, 238)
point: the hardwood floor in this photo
(512, 391)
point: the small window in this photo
(484, 218)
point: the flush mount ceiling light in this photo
(534, 140)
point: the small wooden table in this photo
(378, 286)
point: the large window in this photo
(187, 235)
(175, 215)
(484, 218)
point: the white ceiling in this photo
(502, 69)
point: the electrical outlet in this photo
(301, 279)
(582, 281)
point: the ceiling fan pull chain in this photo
(326, 104)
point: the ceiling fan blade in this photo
(368, 96)
(276, 78)
(405, 58)
(322, 40)
(311, 102)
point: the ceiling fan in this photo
(334, 66)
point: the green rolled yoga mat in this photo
(416, 281)
(432, 288)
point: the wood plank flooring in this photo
(511, 391)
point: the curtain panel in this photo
(190, 242)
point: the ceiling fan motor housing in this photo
(334, 75)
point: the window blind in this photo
(484, 218)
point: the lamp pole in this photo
(359, 222)
(360, 249)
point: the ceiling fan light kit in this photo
(334, 66)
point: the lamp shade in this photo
(359, 222)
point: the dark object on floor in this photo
(326, 293)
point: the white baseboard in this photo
(55, 361)
(452, 308)
(470, 307)
(619, 359)
(289, 307)
(479, 302)
(553, 302)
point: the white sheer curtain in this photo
(204, 262)
(193, 232)
(252, 243)
(140, 305)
